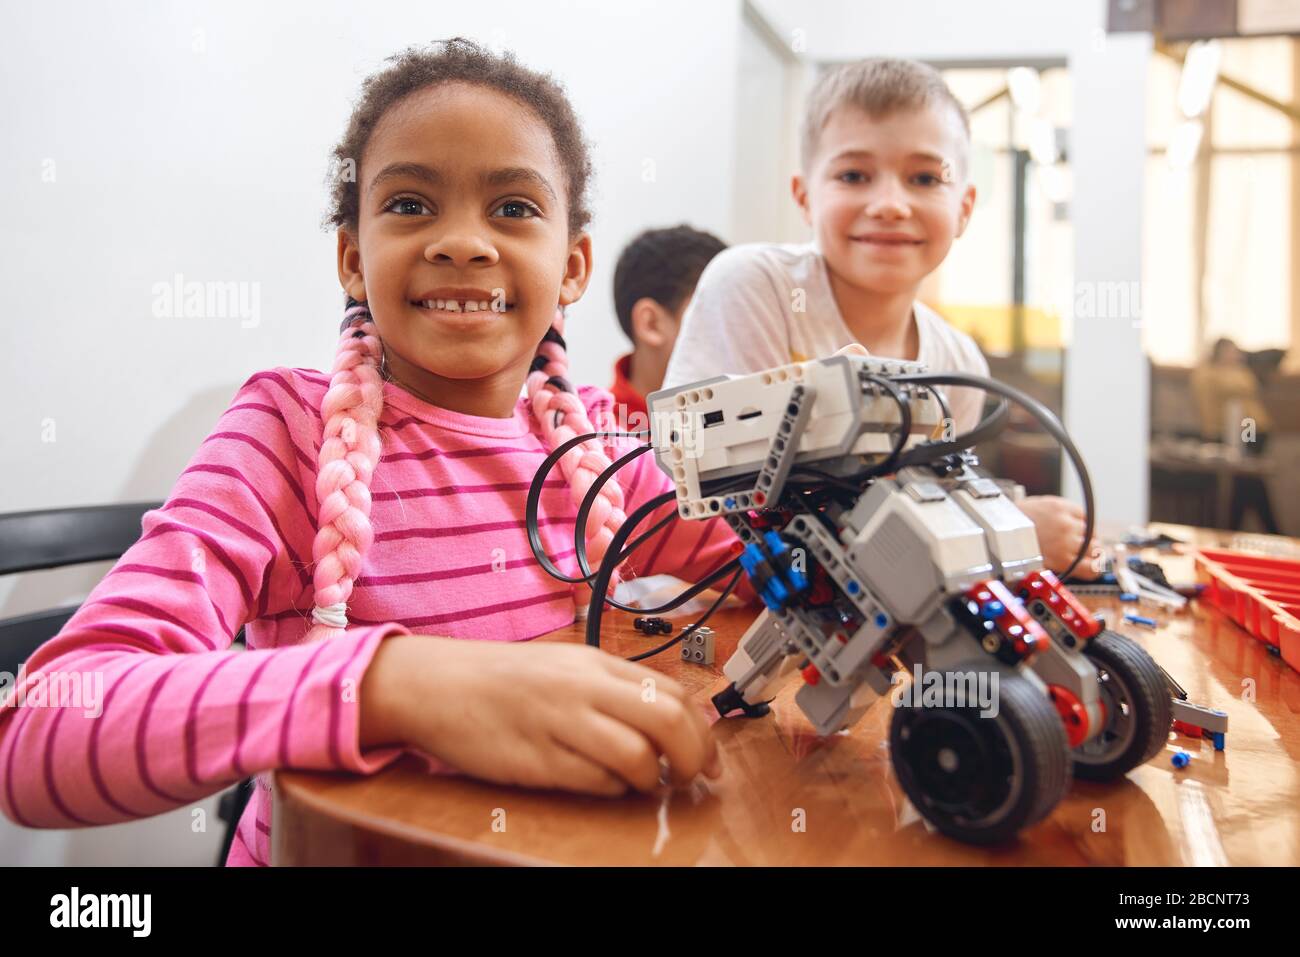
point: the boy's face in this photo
(463, 248)
(886, 196)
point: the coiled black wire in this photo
(990, 426)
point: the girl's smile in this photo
(471, 307)
(463, 248)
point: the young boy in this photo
(884, 184)
(653, 283)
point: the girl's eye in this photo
(927, 179)
(406, 206)
(852, 177)
(517, 209)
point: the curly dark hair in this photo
(459, 60)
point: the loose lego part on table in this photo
(653, 626)
(875, 549)
(1199, 722)
(697, 646)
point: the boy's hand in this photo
(538, 714)
(1060, 525)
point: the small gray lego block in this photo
(1209, 719)
(697, 647)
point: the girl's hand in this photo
(1060, 524)
(538, 714)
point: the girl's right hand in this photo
(537, 714)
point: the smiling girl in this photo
(360, 524)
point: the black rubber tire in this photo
(1021, 760)
(1138, 710)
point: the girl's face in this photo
(463, 249)
(886, 196)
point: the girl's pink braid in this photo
(348, 456)
(561, 416)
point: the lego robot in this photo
(878, 549)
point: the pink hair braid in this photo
(561, 416)
(348, 457)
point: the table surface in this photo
(788, 797)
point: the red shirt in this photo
(625, 394)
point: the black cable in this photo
(534, 531)
(600, 589)
(1045, 418)
(989, 427)
(904, 416)
(685, 595)
(695, 624)
(588, 500)
(535, 498)
(943, 404)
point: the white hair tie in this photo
(335, 616)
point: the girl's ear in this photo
(351, 277)
(577, 270)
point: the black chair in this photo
(57, 538)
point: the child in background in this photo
(653, 284)
(360, 523)
(884, 183)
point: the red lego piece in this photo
(1026, 635)
(1046, 587)
(1073, 714)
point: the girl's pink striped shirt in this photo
(183, 716)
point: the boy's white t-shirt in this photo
(743, 319)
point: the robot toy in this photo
(880, 550)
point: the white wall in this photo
(143, 141)
(771, 86)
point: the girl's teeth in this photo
(454, 305)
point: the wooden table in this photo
(788, 797)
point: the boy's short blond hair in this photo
(878, 87)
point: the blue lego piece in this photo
(797, 579)
(1140, 620)
(1127, 596)
(775, 594)
(1181, 759)
(992, 609)
(1218, 738)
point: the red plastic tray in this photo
(1260, 593)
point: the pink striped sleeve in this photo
(138, 705)
(689, 550)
